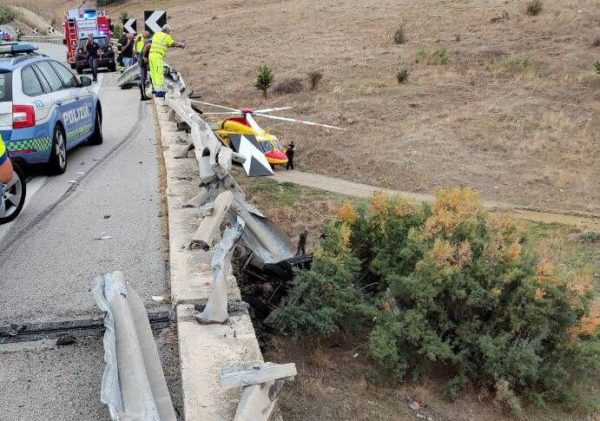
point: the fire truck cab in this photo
(78, 24)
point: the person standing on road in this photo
(91, 49)
(290, 156)
(140, 43)
(143, 63)
(127, 50)
(160, 42)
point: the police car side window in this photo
(69, 80)
(30, 82)
(42, 79)
(50, 75)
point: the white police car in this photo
(45, 109)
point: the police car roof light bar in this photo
(16, 48)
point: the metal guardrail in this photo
(50, 39)
(220, 199)
(133, 384)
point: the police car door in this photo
(79, 118)
(59, 100)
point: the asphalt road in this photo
(51, 253)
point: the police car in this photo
(45, 110)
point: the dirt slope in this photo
(513, 114)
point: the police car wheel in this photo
(13, 198)
(58, 154)
(97, 137)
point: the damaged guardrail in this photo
(221, 199)
(228, 219)
(133, 384)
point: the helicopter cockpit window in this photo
(266, 146)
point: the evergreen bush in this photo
(264, 79)
(453, 285)
(6, 15)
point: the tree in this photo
(264, 79)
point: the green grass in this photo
(432, 57)
(518, 65)
(269, 192)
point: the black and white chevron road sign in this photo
(256, 163)
(155, 20)
(130, 25)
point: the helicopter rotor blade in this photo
(215, 105)
(270, 110)
(223, 113)
(293, 120)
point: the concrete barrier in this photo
(221, 334)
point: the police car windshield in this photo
(102, 42)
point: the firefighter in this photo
(160, 42)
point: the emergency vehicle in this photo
(79, 23)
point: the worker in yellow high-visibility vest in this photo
(140, 42)
(160, 42)
(6, 169)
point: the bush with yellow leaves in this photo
(457, 286)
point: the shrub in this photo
(597, 66)
(123, 16)
(534, 7)
(596, 42)
(517, 66)
(264, 79)
(117, 31)
(432, 57)
(399, 37)
(402, 76)
(6, 15)
(590, 237)
(289, 86)
(325, 298)
(314, 78)
(454, 286)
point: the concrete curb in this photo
(204, 349)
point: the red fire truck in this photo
(79, 23)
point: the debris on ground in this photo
(65, 340)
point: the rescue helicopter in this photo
(244, 124)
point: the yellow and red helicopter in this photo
(244, 124)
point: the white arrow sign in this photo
(152, 20)
(130, 26)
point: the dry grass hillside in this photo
(514, 113)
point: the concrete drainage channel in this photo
(222, 371)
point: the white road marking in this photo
(98, 84)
